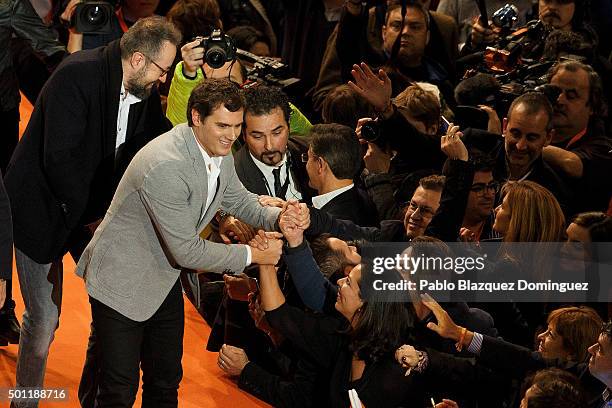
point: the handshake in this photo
(294, 219)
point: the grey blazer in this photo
(152, 226)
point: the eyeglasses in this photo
(163, 71)
(424, 210)
(480, 188)
(305, 157)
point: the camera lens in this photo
(370, 131)
(95, 15)
(215, 57)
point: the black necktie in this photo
(278, 189)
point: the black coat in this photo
(254, 180)
(354, 205)
(64, 171)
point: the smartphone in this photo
(444, 125)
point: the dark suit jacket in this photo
(254, 180)
(445, 224)
(354, 205)
(64, 171)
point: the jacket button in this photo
(64, 208)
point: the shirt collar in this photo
(266, 168)
(212, 163)
(319, 201)
(125, 96)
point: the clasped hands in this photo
(293, 220)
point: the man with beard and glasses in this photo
(270, 161)
(581, 148)
(96, 111)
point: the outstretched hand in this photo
(374, 88)
(445, 327)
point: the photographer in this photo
(190, 72)
(427, 52)
(465, 12)
(566, 15)
(398, 133)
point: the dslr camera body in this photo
(218, 49)
(94, 17)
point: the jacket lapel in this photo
(114, 73)
(199, 167)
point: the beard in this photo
(137, 86)
(271, 158)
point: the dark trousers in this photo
(125, 345)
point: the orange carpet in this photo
(203, 385)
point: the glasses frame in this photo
(423, 210)
(163, 71)
(494, 186)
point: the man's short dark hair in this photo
(554, 387)
(331, 262)
(263, 99)
(534, 103)
(434, 182)
(212, 93)
(482, 162)
(596, 100)
(409, 5)
(339, 147)
(147, 36)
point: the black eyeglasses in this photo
(424, 210)
(163, 71)
(480, 188)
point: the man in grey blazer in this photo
(169, 193)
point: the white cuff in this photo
(249, 256)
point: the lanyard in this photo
(576, 138)
(122, 23)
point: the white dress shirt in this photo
(213, 168)
(125, 100)
(292, 191)
(319, 201)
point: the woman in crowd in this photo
(529, 214)
(353, 349)
(564, 345)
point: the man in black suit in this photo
(269, 163)
(95, 112)
(332, 162)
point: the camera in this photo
(219, 49)
(505, 17)
(93, 17)
(267, 70)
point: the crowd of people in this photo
(168, 174)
